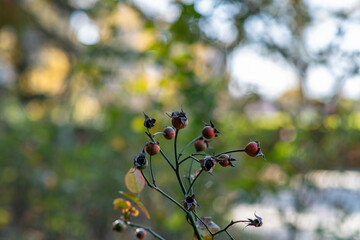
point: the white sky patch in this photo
(164, 9)
(204, 7)
(265, 27)
(269, 77)
(351, 41)
(319, 35)
(332, 5)
(86, 31)
(352, 88)
(319, 82)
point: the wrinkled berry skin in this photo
(140, 233)
(140, 161)
(152, 148)
(190, 203)
(118, 225)
(179, 119)
(179, 123)
(253, 149)
(169, 133)
(200, 145)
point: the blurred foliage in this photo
(76, 75)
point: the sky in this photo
(249, 69)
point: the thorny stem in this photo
(231, 237)
(189, 176)
(174, 201)
(232, 151)
(187, 145)
(146, 228)
(177, 164)
(151, 171)
(229, 225)
(206, 226)
(193, 181)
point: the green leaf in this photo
(120, 203)
(134, 181)
(130, 196)
(142, 207)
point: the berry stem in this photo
(131, 224)
(193, 181)
(161, 151)
(191, 156)
(177, 163)
(158, 133)
(151, 171)
(206, 226)
(187, 145)
(232, 151)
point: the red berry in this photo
(208, 132)
(169, 133)
(140, 233)
(200, 145)
(152, 148)
(179, 119)
(253, 149)
(223, 160)
(179, 123)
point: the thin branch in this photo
(193, 181)
(232, 151)
(177, 163)
(131, 224)
(191, 156)
(187, 145)
(151, 171)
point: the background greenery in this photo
(71, 115)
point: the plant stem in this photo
(206, 226)
(187, 145)
(232, 151)
(231, 237)
(193, 181)
(151, 171)
(191, 156)
(177, 163)
(146, 228)
(176, 202)
(161, 151)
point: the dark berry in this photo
(140, 161)
(140, 233)
(152, 148)
(169, 133)
(149, 122)
(118, 225)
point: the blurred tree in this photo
(76, 75)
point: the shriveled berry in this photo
(140, 161)
(179, 119)
(200, 145)
(118, 225)
(140, 233)
(190, 203)
(178, 123)
(253, 149)
(169, 133)
(152, 148)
